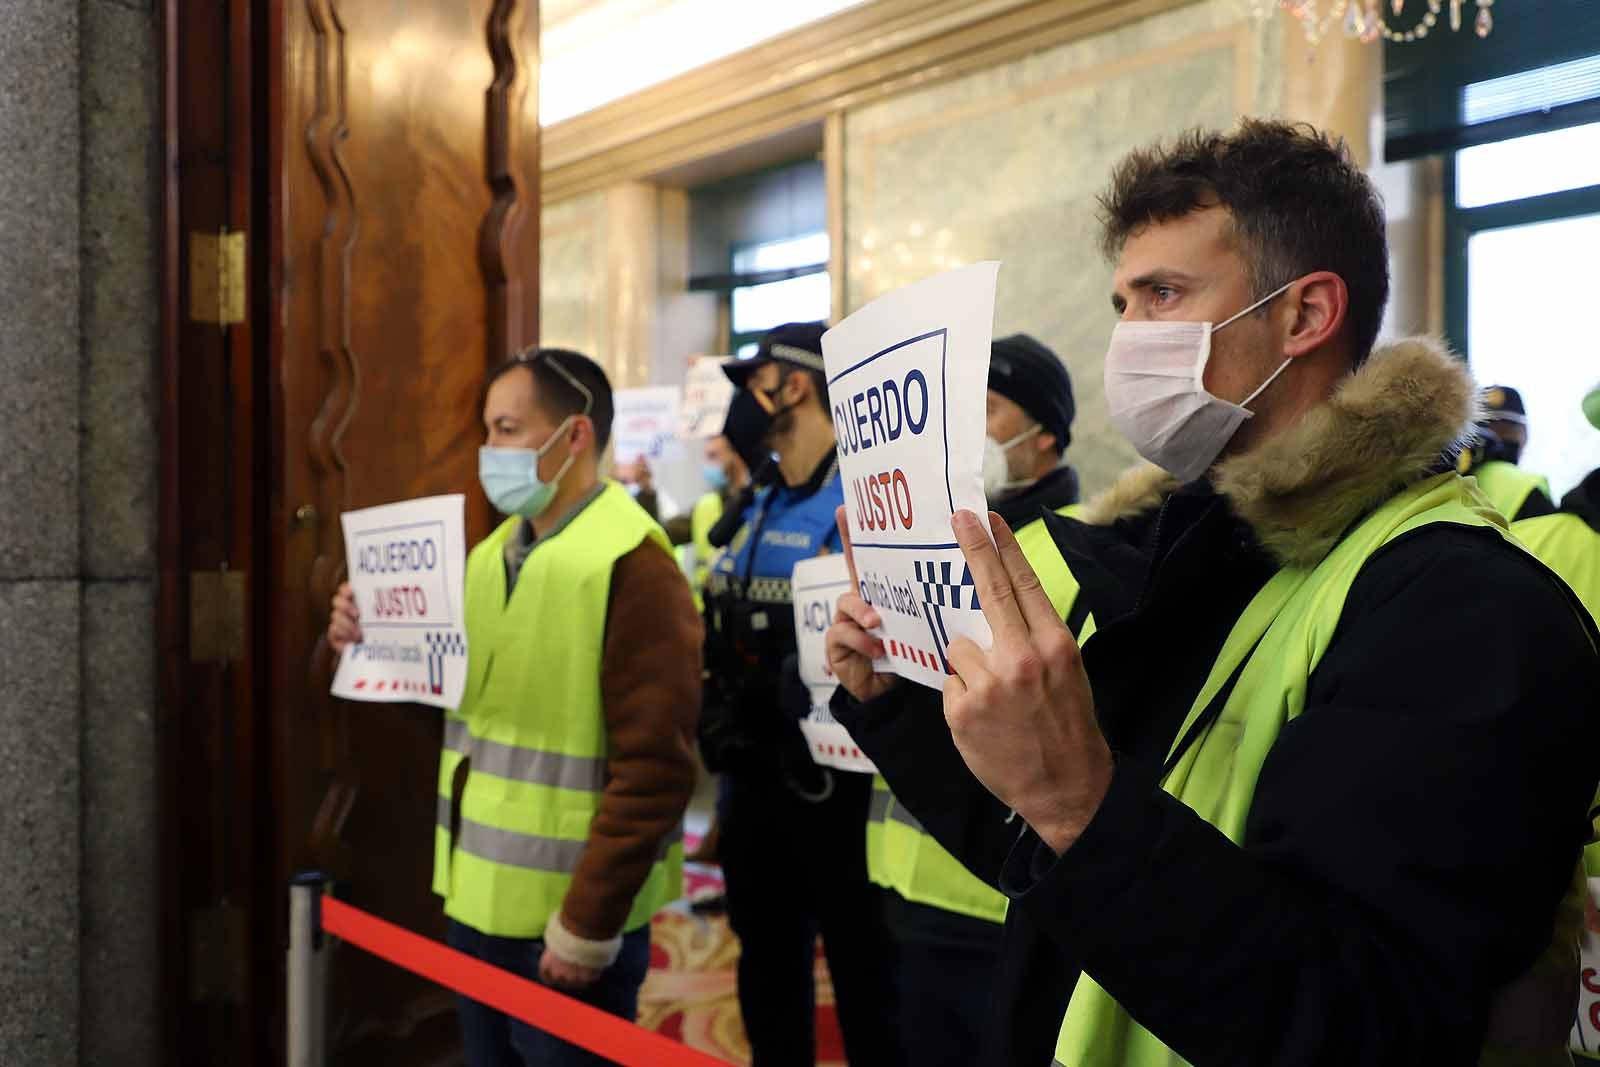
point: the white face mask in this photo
(996, 471)
(1155, 390)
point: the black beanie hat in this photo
(1027, 373)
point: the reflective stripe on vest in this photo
(530, 732)
(1288, 625)
(1508, 486)
(901, 855)
(554, 854)
(536, 767)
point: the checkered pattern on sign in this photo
(447, 643)
(942, 587)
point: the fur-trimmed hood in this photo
(1383, 428)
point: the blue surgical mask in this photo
(715, 476)
(510, 476)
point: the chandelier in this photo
(1367, 21)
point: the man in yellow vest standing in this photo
(727, 475)
(1264, 815)
(1494, 457)
(566, 770)
(1569, 539)
(945, 921)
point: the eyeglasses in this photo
(534, 355)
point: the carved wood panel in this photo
(405, 216)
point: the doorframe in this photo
(217, 956)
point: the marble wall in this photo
(1006, 163)
(78, 207)
(613, 276)
(573, 290)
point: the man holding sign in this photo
(945, 921)
(567, 766)
(1264, 815)
(792, 834)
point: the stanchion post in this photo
(308, 972)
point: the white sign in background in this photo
(907, 380)
(407, 566)
(707, 393)
(817, 584)
(645, 422)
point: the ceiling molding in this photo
(863, 54)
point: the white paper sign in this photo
(707, 392)
(1586, 1026)
(816, 585)
(907, 379)
(407, 566)
(646, 422)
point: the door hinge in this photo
(217, 277)
(216, 616)
(219, 946)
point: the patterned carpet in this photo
(691, 994)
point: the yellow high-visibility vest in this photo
(531, 727)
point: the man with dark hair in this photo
(568, 765)
(792, 835)
(1266, 814)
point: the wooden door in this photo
(407, 220)
(384, 156)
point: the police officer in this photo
(567, 767)
(791, 833)
(1502, 434)
(945, 922)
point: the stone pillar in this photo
(633, 280)
(118, 463)
(40, 591)
(77, 475)
(654, 323)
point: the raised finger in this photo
(851, 608)
(844, 637)
(1037, 610)
(989, 575)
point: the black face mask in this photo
(746, 429)
(1491, 445)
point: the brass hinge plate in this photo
(217, 277)
(219, 945)
(216, 616)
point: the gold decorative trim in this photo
(875, 50)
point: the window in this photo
(1524, 220)
(803, 298)
(760, 241)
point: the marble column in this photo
(77, 476)
(40, 587)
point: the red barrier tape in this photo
(537, 1005)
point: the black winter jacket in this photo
(1411, 832)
